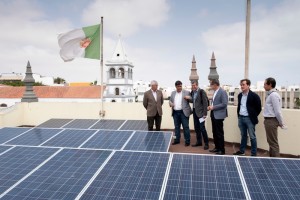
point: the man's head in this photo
(178, 85)
(194, 85)
(269, 84)
(245, 85)
(154, 85)
(215, 84)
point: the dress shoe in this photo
(187, 144)
(196, 145)
(214, 150)
(174, 143)
(206, 147)
(220, 152)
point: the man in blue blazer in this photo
(181, 111)
(218, 114)
(249, 107)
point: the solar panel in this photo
(81, 123)
(108, 140)
(130, 175)
(271, 178)
(62, 177)
(149, 141)
(18, 162)
(203, 177)
(4, 148)
(55, 123)
(34, 137)
(70, 138)
(9, 133)
(135, 125)
(108, 124)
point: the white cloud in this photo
(274, 44)
(127, 16)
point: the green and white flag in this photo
(84, 42)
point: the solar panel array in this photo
(90, 159)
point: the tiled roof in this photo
(53, 92)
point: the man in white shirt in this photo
(273, 116)
(218, 114)
(181, 112)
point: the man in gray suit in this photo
(218, 114)
(181, 112)
(153, 101)
(200, 104)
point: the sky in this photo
(160, 38)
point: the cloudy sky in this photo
(160, 38)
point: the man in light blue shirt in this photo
(273, 116)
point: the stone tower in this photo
(119, 84)
(29, 95)
(194, 76)
(213, 74)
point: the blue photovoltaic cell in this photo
(130, 175)
(70, 138)
(108, 124)
(19, 161)
(55, 123)
(270, 179)
(108, 140)
(203, 177)
(4, 148)
(149, 141)
(135, 125)
(62, 177)
(9, 133)
(34, 137)
(81, 123)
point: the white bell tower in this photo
(119, 83)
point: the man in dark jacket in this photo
(249, 107)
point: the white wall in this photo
(38, 112)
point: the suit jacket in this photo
(253, 105)
(151, 105)
(200, 105)
(220, 104)
(184, 103)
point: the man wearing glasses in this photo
(218, 114)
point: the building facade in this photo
(119, 83)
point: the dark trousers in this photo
(150, 120)
(180, 118)
(200, 129)
(218, 132)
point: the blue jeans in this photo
(180, 118)
(246, 126)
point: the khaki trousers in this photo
(271, 127)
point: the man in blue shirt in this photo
(249, 107)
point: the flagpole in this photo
(102, 112)
(248, 13)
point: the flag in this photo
(84, 42)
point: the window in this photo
(112, 73)
(121, 73)
(117, 91)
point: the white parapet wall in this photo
(37, 112)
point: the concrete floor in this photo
(230, 148)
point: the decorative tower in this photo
(194, 76)
(119, 84)
(213, 74)
(29, 95)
